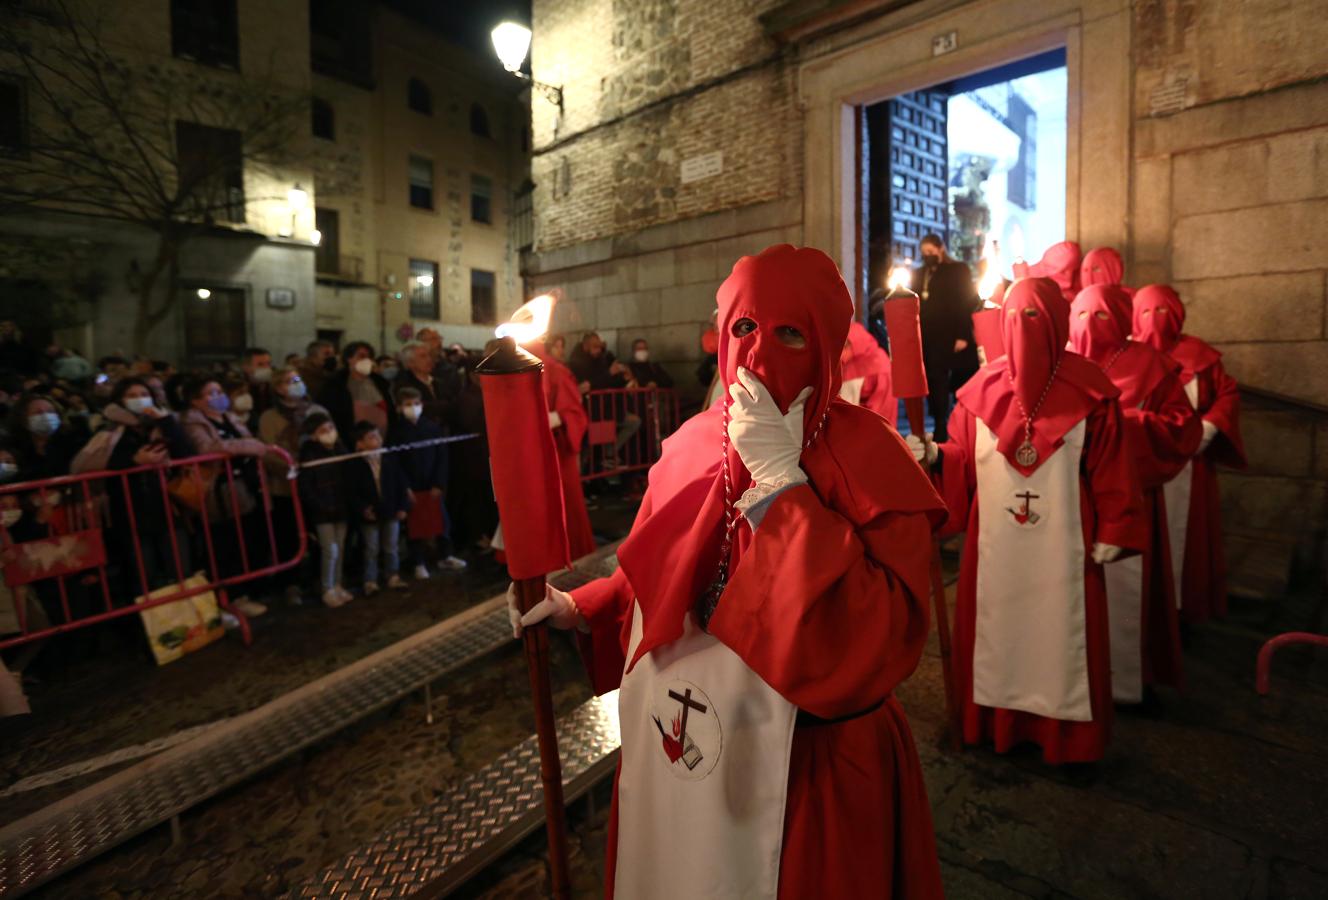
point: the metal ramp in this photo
(437, 848)
(53, 840)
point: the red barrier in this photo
(1272, 645)
(627, 428)
(68, 520)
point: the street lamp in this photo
(511, 42)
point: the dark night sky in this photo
(468, 22)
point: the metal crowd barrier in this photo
(627, 428)
(59, 567)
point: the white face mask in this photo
(8, 517)
(296, 390)
(364, 366)
(7, 470)
(243, 403)
(641, 356)
(43, 423)
(412, 411)
(327, 438)
(263, 374)
(138, 404)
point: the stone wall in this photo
(647, 85)
(1231, 192)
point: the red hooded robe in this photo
(1164, 433)
(827, 600)
(1034, 330)
(1159, 316)
(1103, 265)
(863, 358)
(564, 398)
(1061, 264)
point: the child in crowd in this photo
(426, 475)
(379, 500)
(326, 502)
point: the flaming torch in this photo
(987, 320)
(528, 488)
(902, 320)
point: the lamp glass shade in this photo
(511, 42)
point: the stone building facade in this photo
(694, 131)
(473, 137)
(267, 278)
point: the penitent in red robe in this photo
(1216, 397)
(864, 359)
(826, 600)
(1163, 433)
(1078, 400)
(560, 390)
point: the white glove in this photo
(557, 606)
(768, 442)
(554, 420)
(1210, 432)
(924, 451)
(1105, 553)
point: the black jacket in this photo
(646, 372)
(439, 399)
(335, 398)
(387, 498)
(945, 311)
(424, 467)
(144, 489)
(323, 491)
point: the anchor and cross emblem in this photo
(1024, 515)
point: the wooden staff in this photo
(910, 380)
(530, 591)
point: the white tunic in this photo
(704, 778)
(1030, 651)
(1177, 494)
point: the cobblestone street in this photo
(1218, 790)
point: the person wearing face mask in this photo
(948, 298)
(1061, 263)
(1038, 472)
(1103, 265)
(1194, 509)
(44, 443)
(1162, 432)
(419, 372)
(319, 362)
(326, 500)
(771, 595)
(242, 400)
(867, 374)
(356, 393)
(256, 367)
(213, 428)
(645, 372)
(139, 433)
(282, 425)
(426, 471)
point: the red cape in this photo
(863, 358)
(564, 398)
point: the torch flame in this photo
(991, 273)
(530, 322)
(900, 276)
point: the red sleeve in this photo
(1224, 412)
(606, 604)
(830, 616)
(957, 477)
(1113, 483)
(1164, 432)
(565, 399)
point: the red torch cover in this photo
(909, 375)
(987, 332)
(526, 480)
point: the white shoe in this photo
(346, 596)
(250, 609)
(370, 588)
(332, 599)
(452, 563)
(421, 571)
(395, 583)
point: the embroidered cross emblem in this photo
(1025, 515)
